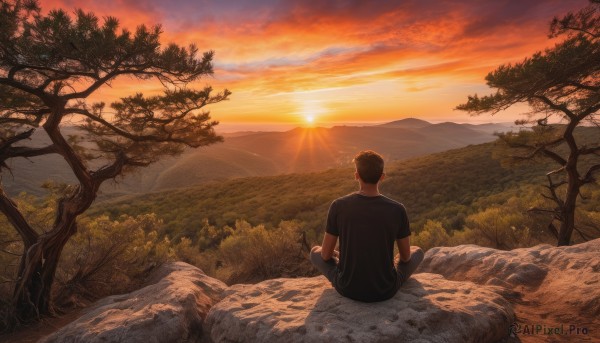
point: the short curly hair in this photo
(369, 166)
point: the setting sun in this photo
(310, 109)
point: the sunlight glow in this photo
(309, 109)
(309, 143)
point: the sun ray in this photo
(322, 139)
(312, 149)
(299, 146)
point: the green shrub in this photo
(432, 235)
(109, 257)
(254, 253)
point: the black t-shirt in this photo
(367, 228)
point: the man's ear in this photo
(382, 177)
(356, 176)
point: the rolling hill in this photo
(406, 123)
(443, 186)
(262, 153)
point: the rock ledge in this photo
(170, 310)
(428, 308)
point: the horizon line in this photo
(234, 127)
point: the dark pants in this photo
(404, 270)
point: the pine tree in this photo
(563, 82)
(49, 65)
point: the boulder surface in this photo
(428, 308)
(459, 294)
(170, 309)
(550, 287)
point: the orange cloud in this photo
(378, 59)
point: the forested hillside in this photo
(464, 195)
(442, 186)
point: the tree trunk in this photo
(567, 224)
(32, 294)
(567, 208)
(33, 289)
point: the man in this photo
(367, 225)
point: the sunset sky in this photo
(342, 61)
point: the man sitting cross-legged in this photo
(367, 225)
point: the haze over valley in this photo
(266, 153)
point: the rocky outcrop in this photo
(551, 287)
(459, 294)
(171, 308)
(428, 308)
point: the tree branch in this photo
(7, 151)
(590, 150)
(126, 134)
(539, 150)
(64, 149)
(16, 219)
(94, 86)
(580, 29)
(110, 171)
(553, 186)
(589, 175)
(581, 234)
(20, 86)
(537, 209)
(552, 105)
(553, 229)
(25, 152)
(590, 110)
(584, 86)
(32, 152)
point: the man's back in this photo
(367, 225)
(367, 228)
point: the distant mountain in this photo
(414, 123)
(491, 128)
(262, 153)
(408, 123)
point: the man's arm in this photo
(327, 249)
(404, 248)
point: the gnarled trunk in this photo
(33, 290)
(567, 224)
(567, 206)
